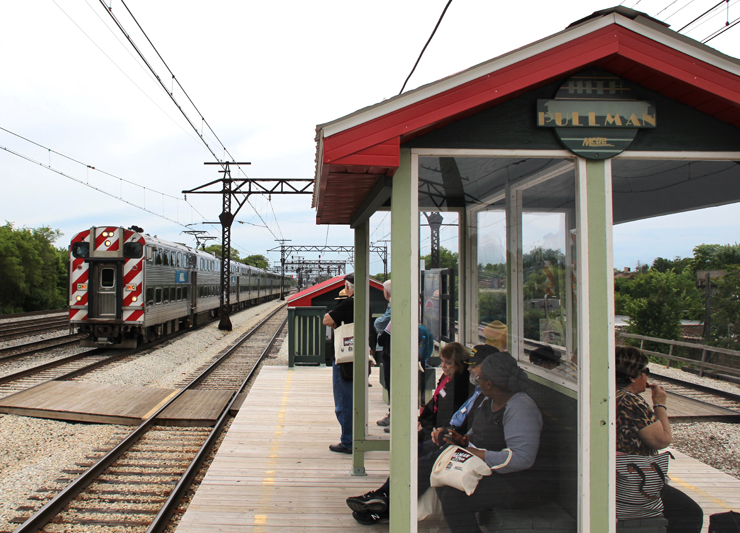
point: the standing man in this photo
(342, 373)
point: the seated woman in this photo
(453, 389)
(643, 431)
(505, 433)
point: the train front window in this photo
(107, 278)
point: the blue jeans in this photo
(343, 405)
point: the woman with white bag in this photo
(505, 434)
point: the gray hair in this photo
(503, 371)
(387, 286)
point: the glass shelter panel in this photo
(519, 286)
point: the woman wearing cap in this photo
(453, 389)
(643, 431)
(505, 433)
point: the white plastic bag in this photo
(344, 343)
(458, 468)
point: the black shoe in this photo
(387, 430)
(385, 421)
(372, 502)
(369, 518)
(339, 448)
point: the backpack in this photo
(426, 343)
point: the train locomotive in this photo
(127, 287)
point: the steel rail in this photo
(696, 386)
(44, 515)
(162, 519)
(68, 339)
(51, 364)
(34, 313)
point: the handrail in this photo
(703, 347)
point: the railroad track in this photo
(140, 482)
(30, 348)
(701, 393)
(12, 330)
(60, 369)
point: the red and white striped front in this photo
(78, 282)
(133, 283)
(107, 239)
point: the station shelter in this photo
(540, 152)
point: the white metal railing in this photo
(706, 350)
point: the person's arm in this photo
(658, 434)
(522, 428)
(329, 321)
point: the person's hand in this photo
(658, 392)
(453, 437)
(436, 432)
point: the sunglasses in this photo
(645, 371)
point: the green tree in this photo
(32, 272)
(257, 260)
(715, 256)
(725, 323)
(215, 249)
(658, 301)
(447, 259)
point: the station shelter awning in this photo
(528, 149)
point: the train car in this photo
(128, 287)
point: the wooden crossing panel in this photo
(113, 404)
(682, 409)
(196, 408)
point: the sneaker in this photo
(372, 502)
(385, 421)
(339, 448)
(369, 518)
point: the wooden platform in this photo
(274, 471)
(107, 404)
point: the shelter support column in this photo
(359, 377)
(404, 342)
(596, 425)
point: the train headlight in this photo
(134, 298)
(78, 298)
(107, 243)
(105, 234)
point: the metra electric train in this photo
(127, 287)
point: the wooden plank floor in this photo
(274, 471)
(114, 404)
(685, 409)
(714, 490)
(86, 402)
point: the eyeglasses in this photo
(645, 371)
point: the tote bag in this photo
(458, 468)
(344, 343)
(640, 478)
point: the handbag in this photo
(640, 478)
(456, 467)
(429, 507)
(344, 343)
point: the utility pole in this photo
(435, 221)
(246, 187)
(282, 267)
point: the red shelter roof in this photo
(306, 296)
(357, 150)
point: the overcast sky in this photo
(263, 74)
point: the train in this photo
(127, 288)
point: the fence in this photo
(306, 336)
(706, 352)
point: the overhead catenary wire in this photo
(109, 10)
(122, 71)
(425, 46)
